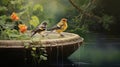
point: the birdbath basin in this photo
(60, 47)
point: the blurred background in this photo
(97, 21)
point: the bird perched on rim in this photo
(60, 27)
(40, 29)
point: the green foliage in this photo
(81, 31)
(26, 12)
(6, 34)
(107, 21)
(3, 9)
(9, 34)
(34, 21)
(38, 54)
(38, 7)
(31, 14)
(2, 20)
(7, 31)
(88, 21)
(4, 2)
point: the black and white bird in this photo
(40, 29)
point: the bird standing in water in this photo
(60, 27)
(40, 29)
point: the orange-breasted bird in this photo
(60, 27)
(40, 28)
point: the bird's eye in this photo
(64, 20)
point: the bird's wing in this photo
(60, 24)
(37, 30)
(54, 28)
(41, 27)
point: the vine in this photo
(37, 51)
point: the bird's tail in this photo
(53, 28)
(33, 33)
(50, 29)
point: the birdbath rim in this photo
(70, 38)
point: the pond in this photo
(99, 50)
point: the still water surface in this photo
(98, 50)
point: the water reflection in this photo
(98, 50)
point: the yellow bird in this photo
(60, 27)
(40, 29)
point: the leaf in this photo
(3, 8)
(45, 54)
(33, 54)
(3, 17)
(33, 48)
(34, 21)
(12, 2)
(43, 57)
(38, 7)
(26, 45)
(5, 2)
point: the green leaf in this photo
(45, 54)
(3, 8)
(5, 2)
(3, 17)
(26, 45)
(43, 57)
(34, 21)
(34, 48)
(38, 7)
(13, 2)
(33, 54)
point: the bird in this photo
(40, 29)
(60, 27)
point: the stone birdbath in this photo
(56, 46)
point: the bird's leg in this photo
(43, 35)
(61, 35)
(48, 33)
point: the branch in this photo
(90, 15)
(74, 5)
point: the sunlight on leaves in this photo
(34, 21)
(38, 7)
